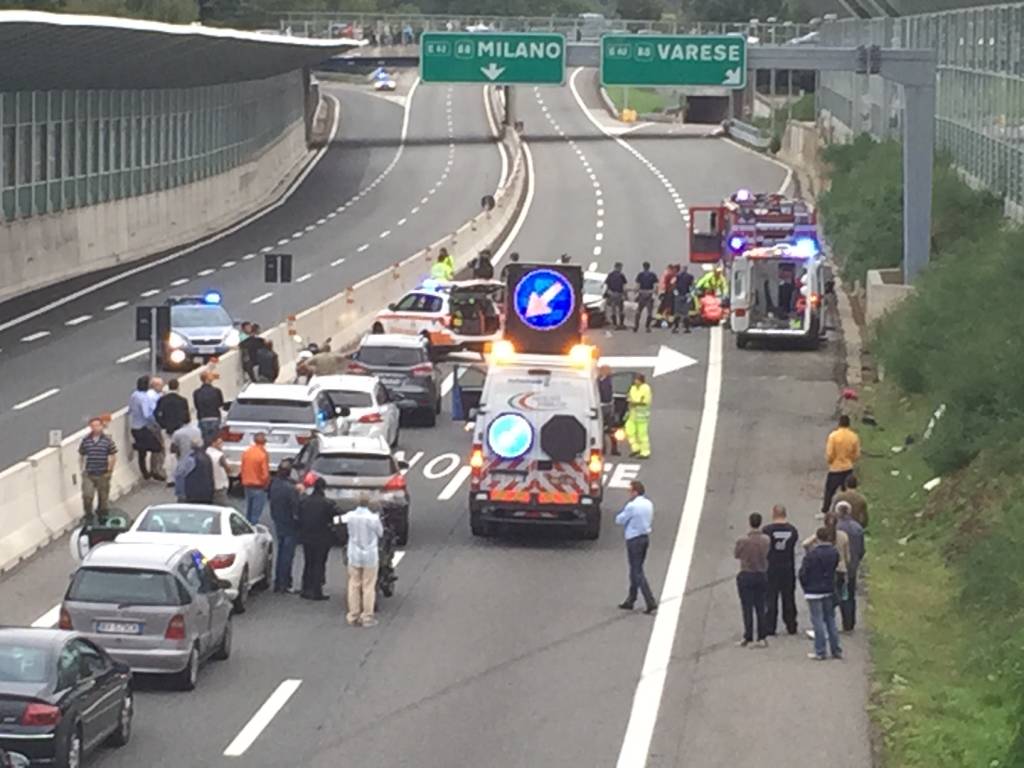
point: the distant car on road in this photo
(404, 367)
(463, 314)
(239, 553)
(201, 329)
(372, 412)
(61, 697)
(594, 302)
(352, 466)
(159, 608)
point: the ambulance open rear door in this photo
(707, 228)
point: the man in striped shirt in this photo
(97, 454)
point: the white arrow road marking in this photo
(667, 360)
(492, 71)
(540, 304)
(455, 483)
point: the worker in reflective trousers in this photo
(639, 417)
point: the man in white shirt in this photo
(364, 532)
(215, 450)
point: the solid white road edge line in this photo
(296, 183)
(647, 699)
(503, 178)
(36, 399)
(259, 721)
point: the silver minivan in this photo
(159, 608)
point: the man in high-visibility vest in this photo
(639, 417)
(714, 281)
(439, 271)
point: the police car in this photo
(200, 329)
(538, 453)
(450, 316)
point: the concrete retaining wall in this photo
(885, 291)
(45, 249)
(40, 497)
(801, 149)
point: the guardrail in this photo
(40, 497)
(748, 134)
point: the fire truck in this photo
(748, 220)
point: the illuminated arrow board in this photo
(666, 60)
(502, 58)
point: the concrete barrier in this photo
(749, 135)
(886, 290)
(40, 498)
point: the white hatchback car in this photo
(238, 552)
(372, 413)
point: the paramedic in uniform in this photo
(639, 417)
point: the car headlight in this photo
(176, 341)
(232, 338)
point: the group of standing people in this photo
(259, 360)
(667, 300)
(828, 572)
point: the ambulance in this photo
(538, 454)
(777, 293)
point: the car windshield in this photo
(347, 399)
(353, 465)
(24, 664)
(123, 585)
(181, 521)
(396, 357)
(272, 411)
(199, 316)
(593, 287)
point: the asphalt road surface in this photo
(358, 211)
(511, 652)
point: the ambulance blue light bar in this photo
(736, 243)
(806, 248)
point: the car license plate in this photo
(277, 439)
(343, 493)
(206, 350)
(118, 628)
(392, 380)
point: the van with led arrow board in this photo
(201, 329)
(544, 311)
(778, 293)
(537, 454)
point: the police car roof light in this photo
(211, 297)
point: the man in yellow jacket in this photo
(842, 450)
(639, 417)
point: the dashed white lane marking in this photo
(362, 247)
(205, 272)
(36, 399)
(415, 210)
(35, 336)
(600, 211)
(310, 227)
(385, 233)
(296, 235)
(228, 264)
(283, 241)
(424, 200)
(179, 281)
(259, 721)
(251, 256)
(133, 355)
(115, 306)
(304, 278)
(48, 619)
(597, 251)
(600, 223)
(338, 262)
(332, 214)
(262, 297)
(78, 320)
(599, 236)
(321, 222)
(401, 222)
(592, 267)
(340, 209)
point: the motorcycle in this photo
(386, 575)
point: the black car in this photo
(403, 366)
(61, 696)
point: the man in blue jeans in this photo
(636, 519)
(818, 579)
(284, 511)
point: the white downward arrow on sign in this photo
(492, 71)
(540, 303)
(667, 360)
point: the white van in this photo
(538, 453)
(777, 292)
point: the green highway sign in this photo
(492, 57)
(665, 60)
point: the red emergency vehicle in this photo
(748, 220)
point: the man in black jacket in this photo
(172, 411)
(781, 571)
(284, 510)
(818, 579)
(267, 365)
(248, 348)
(199, 482)
(209, 402)
(316, 512)
(615, 295)
(646, 284)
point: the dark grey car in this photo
(403, 365)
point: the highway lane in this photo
(375, 210)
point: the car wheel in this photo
(123, 732)
(429, 417)
(187, 678)
(741, 341)
(593, 527)
(243, 591)
(223, 651)
(437, 406)
(268, 570)
(71, 757)
(478, 526)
